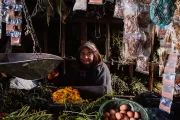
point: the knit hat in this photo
(89, 45)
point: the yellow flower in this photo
(67, 95)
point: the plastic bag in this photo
(160, 31)
(15, 41)
(80, 5)
(144, 51)
(143, 15)
(19, 83)
(165, 104)
(142, 65)
(96, 2)
(119, 9)
(169, 79)
(168, 91)
(130, 17)
(130, 24)
(131, 46)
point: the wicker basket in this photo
(116, 102)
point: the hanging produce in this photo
(144, 49)
(12, 16)
(80, 5)
(96, 2)
(119, 9)
(131, 30)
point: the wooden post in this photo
(83, 32)
(131, 71)
(151, 70)
(107, 41)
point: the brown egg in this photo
(106, 114)
(123, 112)
(117, 110)
(132, 119)
(130, 114)
(137, 115)
(112, 117)
(124, 107)
(112, 112)
(106, 119)
(119, 116)
(126, 117)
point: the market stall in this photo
(138, 40)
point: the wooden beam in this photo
(92, 20)
(83, 32)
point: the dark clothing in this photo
(98, 76)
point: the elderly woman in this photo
(90, 70)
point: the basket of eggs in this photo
(122, 109)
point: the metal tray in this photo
(29, 66)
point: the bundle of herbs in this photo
(13, 99)
(24, 114)
(87, 111)
(124, 85)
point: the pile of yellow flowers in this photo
(67, 95)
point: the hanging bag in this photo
(80, 5)
(96, 2)
(162, 11)
(119, 9)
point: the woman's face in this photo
(86, 56)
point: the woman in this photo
(90, 70)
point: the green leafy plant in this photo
(119, 85)
(137, 87)
(85, 113)
(117, 48)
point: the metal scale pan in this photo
(28, 66)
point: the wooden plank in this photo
(83, 32)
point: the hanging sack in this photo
(96, 2)
(80, 5)
(119, 9)
(162, 11)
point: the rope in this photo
(29, 28)
(41, 5)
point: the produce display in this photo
(67, 95)
(123, 113)
(122, 109)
